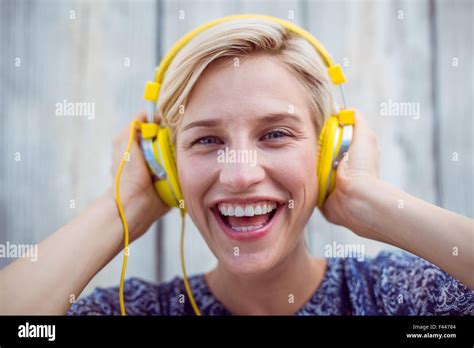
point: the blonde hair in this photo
(240, 38)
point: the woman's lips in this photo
(251, 235)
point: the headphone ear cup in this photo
(168, 189)
(326, 176)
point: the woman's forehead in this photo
(258, 86)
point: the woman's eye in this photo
(275, 134)
(207, 141)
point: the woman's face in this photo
(246, 155)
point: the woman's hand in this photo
(86, 244)
(359, 168)
(376, 210)
(137, 192)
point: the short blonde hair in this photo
(240, 38)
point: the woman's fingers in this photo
(361, 128)
(120, 142)
(142, 117)
(363, 152)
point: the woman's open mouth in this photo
(247, 221)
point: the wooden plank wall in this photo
(392, 51)
(452, 98)
(101, 53)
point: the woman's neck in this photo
(281, 291)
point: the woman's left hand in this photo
(377, 210)
(358, 169)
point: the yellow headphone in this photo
(157, 146)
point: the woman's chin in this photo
(248, 253)
(245, 264)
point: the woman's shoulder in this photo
(141, 298)
(400, 283)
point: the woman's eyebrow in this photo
(213, 122)
(278, 117)
(268, 118)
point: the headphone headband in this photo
(153, 88)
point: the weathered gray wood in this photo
(452, 98)
(386, 56)
(76, 56)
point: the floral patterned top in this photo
(390, 284)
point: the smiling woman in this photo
(270, 184)
(252, 85)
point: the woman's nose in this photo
(240, 173)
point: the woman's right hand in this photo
(137, 192)
(86, 243)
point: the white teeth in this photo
(223, 210)
(246, 228)
(249, 210)
(240, 210)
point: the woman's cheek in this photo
(295, 169)
(194, 175)
(191, 177)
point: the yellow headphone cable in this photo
(133, 126)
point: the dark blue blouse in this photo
(389, 284)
